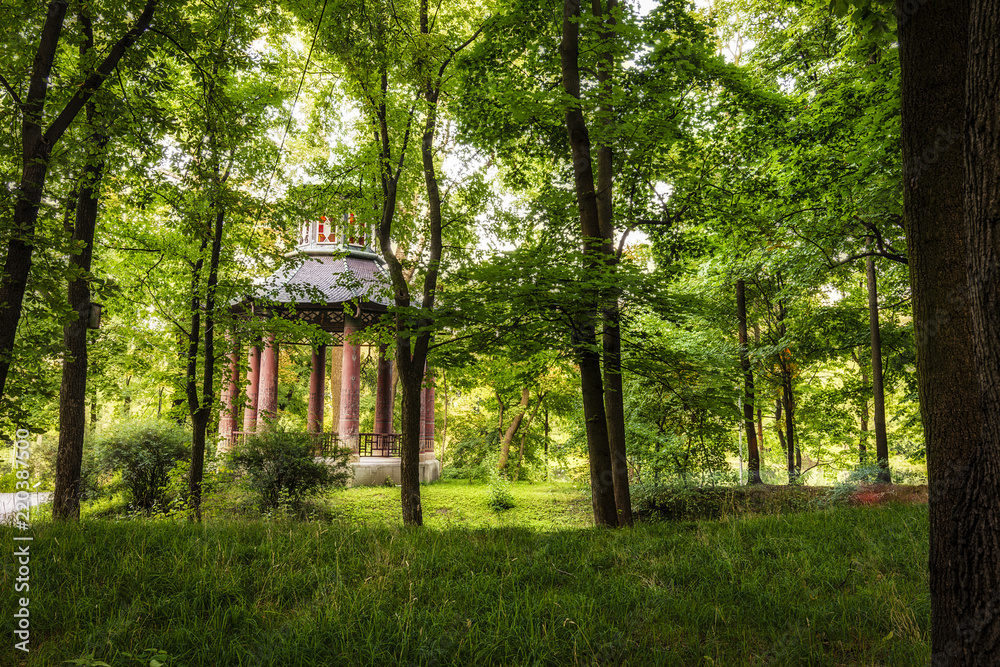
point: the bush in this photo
(684, 502)
(279, 465)
(142, 454)
(501, 499)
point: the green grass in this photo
(457, 503)
(846, 586)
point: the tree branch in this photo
(10, 91)
(93, 82)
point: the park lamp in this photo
(95, 316)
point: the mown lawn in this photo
(845, 586)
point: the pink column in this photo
(227, 417)
(267, 395)
(350, 386)
(317, 390)
(383, 393)
(427, 415)
(253, 388)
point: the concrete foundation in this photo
(374, 470)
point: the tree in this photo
(38, 141)
(935, 70)
(72, 398)
(390, 81)
(977, 570)
(753, 457)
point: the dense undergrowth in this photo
(841, 586)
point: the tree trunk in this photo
(788, 401)
(515, 423)
(201, 411)
(863, 442)
(778, 428)
(753, 454)
(73, 392)
(977, 570)
(36, 148)
(597, 249)
(881, 441)
(614, 406)
(95, 409)
(787, 398)
(933, 60)
(760, 411)
(602, 487)
(614, 395)
(524, 435)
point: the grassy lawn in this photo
(844, 586)
(459, 504)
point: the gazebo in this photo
(341, 286)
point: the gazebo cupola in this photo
(340, 285)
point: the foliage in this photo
(141, 455)
(686, 502)
(279, 466)
(501, 499)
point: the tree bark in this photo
(73, 391)
(201, 412)
(787, 399)
(777, 426)
(524, 434)
(878, 391)
(596, 250)
(36, 149)
(614, 393)
(515, 423)
(933, 61)
(977, 571)
(753, 454)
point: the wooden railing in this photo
(369, 444)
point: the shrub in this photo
(501, 499)
(277, 465)
(142, 453)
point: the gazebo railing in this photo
(379, 444)
(369, 444)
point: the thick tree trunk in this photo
(597, 250)
(515, 423)
(602, 486)
(881, 441)
(753, 454)
(977, 571)
(933, 61)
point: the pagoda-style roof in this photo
(357, 276)
(334, 270)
